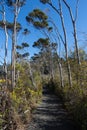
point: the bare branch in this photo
(76, 13)
(74, 27)
(57, 10)
(70, 11)
(57, 32)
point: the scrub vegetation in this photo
(22, 80)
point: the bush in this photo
(76, 104)
(75, 101)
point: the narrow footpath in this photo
(51, 115)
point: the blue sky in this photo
(81, 20)
(35, 34)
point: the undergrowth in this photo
(75, 101)
(16, 106)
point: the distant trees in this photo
(82, 54)
(65, 72)
(43, 45)
(40, 21)
(20, 48)
(64, 40)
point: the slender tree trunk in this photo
(77, 53)
(13, 61)
(60, 72)
(76, 43)
(65, 44)
(51, 64)
(74, 29)
(68, 68)
(31, 76)
(59, 63)
(73, 20)
(14, 40)
(59, 12)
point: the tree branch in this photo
(70, 11)
(76, 9)
(74, 27)
(50, 3)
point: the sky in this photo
(81, 25)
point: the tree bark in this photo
(31, 76)
(14, 40)
(59, 12)
(74, 29)
(59, 63)
(65, 44)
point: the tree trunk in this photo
(65, 45)
(60, 72)
(59, 12)
(51, 64)
(76, 43)
(14, 40)
(74, 29)
(31, 76)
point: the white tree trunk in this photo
(31, 76)
(65, 45)
(14, 42)
(74, 28)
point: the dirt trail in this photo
(51, 115)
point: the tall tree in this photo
(39, 20)
(36, 17)
(73, 19)
(26, 32)
(43, 45)
(60, 13)
(16, 5)
(56, 47)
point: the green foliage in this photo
(41, 43)
(10, 26)
(75, 100)
(13, 2)
(37, 13)
(37, 18)
(26, 31)
(24, 44)
(24, 96)
(25, 55)
(76, 104)
(45, 1)
(20, 48)
(22, 100)
(82, 54)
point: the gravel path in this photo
(50, 115)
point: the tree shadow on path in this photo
(51, 115)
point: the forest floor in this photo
(51, 114)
